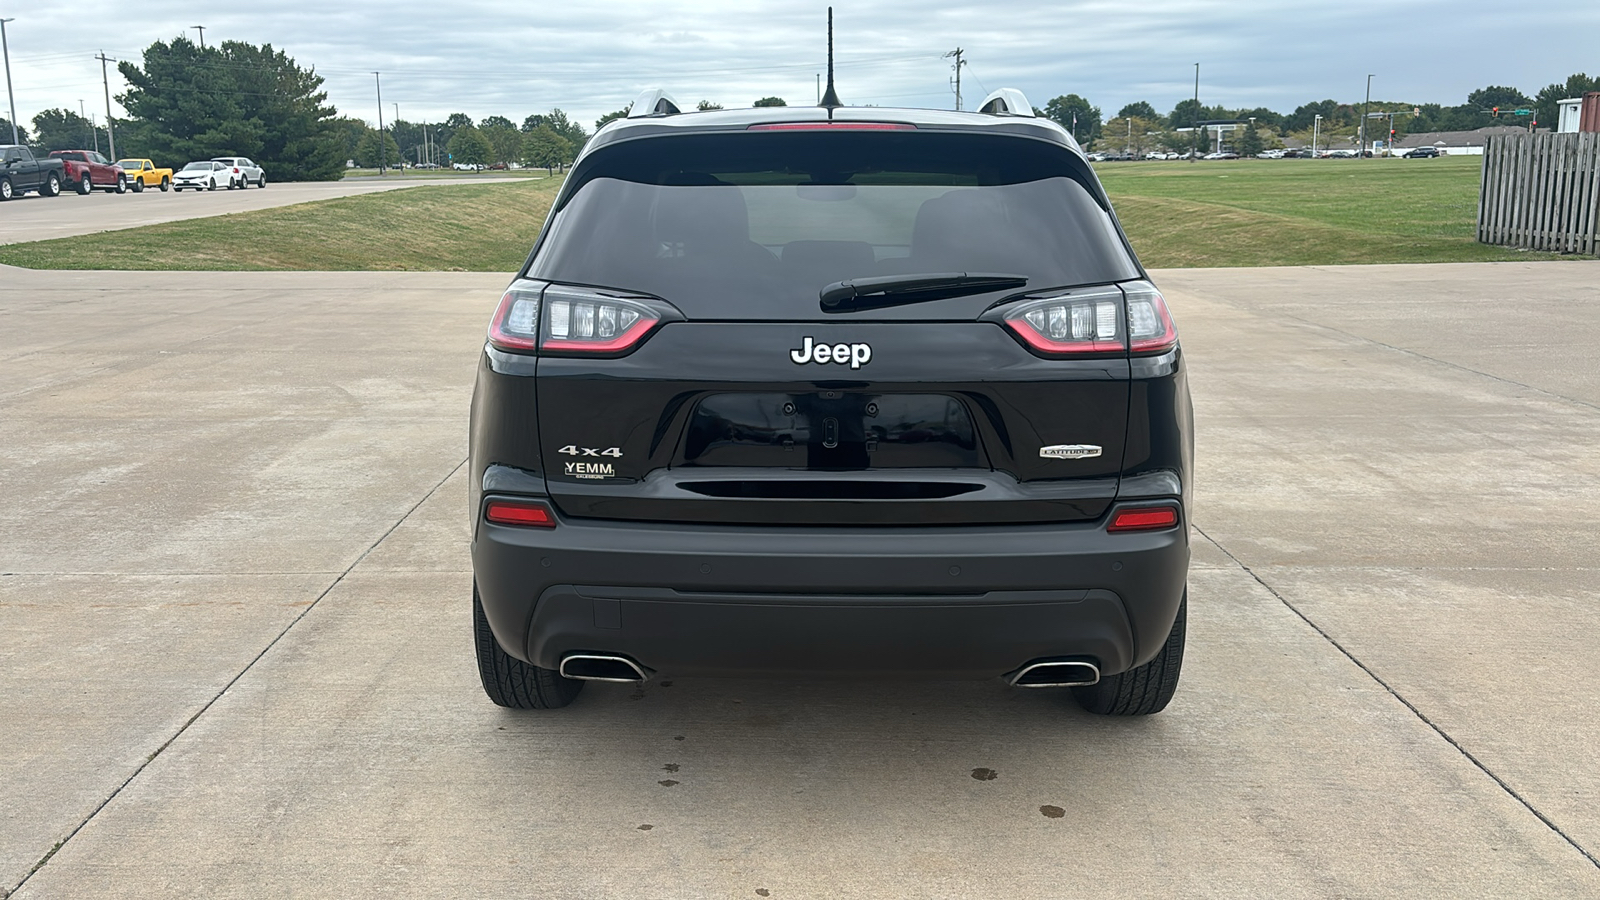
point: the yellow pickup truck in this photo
(142, 173)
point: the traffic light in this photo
(1497, 112)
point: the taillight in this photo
(1070, 324)
(1144, 518)
(236, 170)
(559, 318)
(1150, 328)
(526, 513)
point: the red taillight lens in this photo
(1150, 328)
(529, 514)
(558, 318)
(1070, 324)
(834, 126)
(1144, 518)
(236, 171)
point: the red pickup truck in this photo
(87, 170)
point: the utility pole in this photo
(819, 88)
(956, 53)
(10, 94)
(105, 79)
(1366, 103)
(1316, 125)
(1196, 123)
(383, 151)
(202, 30)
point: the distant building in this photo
(1567, 120)
(1455, 143)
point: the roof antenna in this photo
(830, 98)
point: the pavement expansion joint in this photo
(1421, 716)
(4, 892)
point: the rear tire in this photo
(166, 185)
(85, 186)
(52, 185)
(509, 681)
(1146, 689)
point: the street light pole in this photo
(383, 151)
(1364, 105)
(1316, 125)
(10, 94)
(105, 80)
(1196, 152)
(202, 30)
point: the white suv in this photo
(243, 172)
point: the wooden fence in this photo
(1541, 192)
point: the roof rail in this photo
(654, 102)
(1006, 102)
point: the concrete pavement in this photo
(237, 661)
(35, 218)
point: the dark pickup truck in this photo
(21, 172)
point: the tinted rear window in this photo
(755, 225)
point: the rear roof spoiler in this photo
(1006, 102)
(654, 102)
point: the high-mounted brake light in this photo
(1144, 518)
(1150, 328)
(834, 126)
(1070, 324)
(558, 318)
(526, 513)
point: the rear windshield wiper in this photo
(898, 290)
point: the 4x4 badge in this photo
(1070, 451)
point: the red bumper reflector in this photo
(533, 515)
(1144, 519)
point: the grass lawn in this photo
(1290, 212)
(1178, 214)
(474, 228)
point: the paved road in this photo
(35, 218)
(236, 657)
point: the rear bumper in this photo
(950, 602)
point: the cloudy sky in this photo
(488, 57)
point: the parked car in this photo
(87, 170)
(1339, 154)
(21, 172)
(767, 450)
(1221, 154)
(143, 173)
(1423, 153)
(242, 172)
(202, 175)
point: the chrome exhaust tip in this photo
(1055, 674)
(602, 667)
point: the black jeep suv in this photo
(864, 391)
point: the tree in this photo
(469, 147)
(1140, 110)
(544, 148)
(1546, 106)
(234, 99)
(495, 122)
(1506, 98)
(5, 132)
(1248, 142)
(567, 128)
(504, 138)
(59, 129)
(1115, 136)
(769, 101)
(1076, 115)
(456, 121)
(366, 154)
(611, 117)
